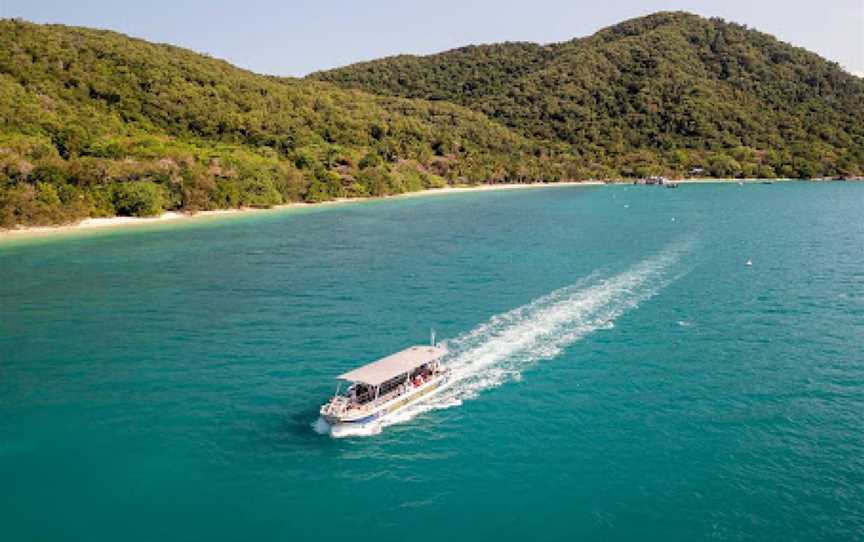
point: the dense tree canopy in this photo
(660, 93)
(94, 123)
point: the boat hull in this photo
(390, 407)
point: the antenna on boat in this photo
(432, 338)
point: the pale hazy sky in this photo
(295, 37)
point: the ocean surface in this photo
(623, 374)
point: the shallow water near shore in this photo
(622, 373)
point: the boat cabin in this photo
(390, 377)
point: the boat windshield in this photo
(360, 393)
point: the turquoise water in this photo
(623, 374)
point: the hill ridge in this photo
(665, 82)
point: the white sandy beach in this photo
(127, 221)
(170, 216)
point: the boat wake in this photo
(498, 350)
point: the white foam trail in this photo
(355, 430)
(321, 426)
(497, 350)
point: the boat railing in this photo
(401, 389)
(341, 404)
(395, 392)
(338, 405)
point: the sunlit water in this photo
(620, 373)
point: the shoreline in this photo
(117, 222)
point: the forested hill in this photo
(662, 93)
(94, 123)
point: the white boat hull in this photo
(363, 418)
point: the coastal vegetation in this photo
(94, 123)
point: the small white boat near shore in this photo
(385, 386)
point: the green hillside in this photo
(658, 94)
(93, 123)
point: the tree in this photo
(370, 160)
(317, 192)
(138, 199)
(258, 191)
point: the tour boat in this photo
(385, 386)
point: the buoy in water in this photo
(749, 263)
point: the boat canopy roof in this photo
(394, 365)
